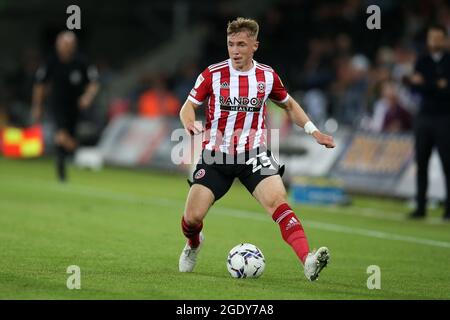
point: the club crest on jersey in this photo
(261, 87)
(75, 77)
(200, 174)
(224, 85)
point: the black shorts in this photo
(66, 117)
(217, 171)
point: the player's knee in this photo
(192, 219)
(277, 200)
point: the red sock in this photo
(292, 230)
(192, 233)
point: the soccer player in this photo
(74, 86)
(236, 91)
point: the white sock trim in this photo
(283, 215)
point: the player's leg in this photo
(209, 185)
(271, 193)
(61, 153)
(60, 163)
(443, 146)
(261, 177)
(65, 144)
(64, 140)
(198, 202)
(267, 187)
(424, 142)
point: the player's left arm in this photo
(300, 118)
(280, 96)
(91, 89)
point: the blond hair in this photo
(243, 24)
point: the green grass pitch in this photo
(122, 228)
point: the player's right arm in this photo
(187, 117)
(92, 87)
(40, 88)
(202, 90)
(416, 81)
(39, 91)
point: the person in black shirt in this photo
(432, 124)
(73, 88)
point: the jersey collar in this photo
(242, 73)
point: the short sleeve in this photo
(91, 73)
(202, 88)
(44, 72)
(279, 93)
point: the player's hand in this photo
(194, 128)
(442, 83)
(62, 138)
(417, 79)
(36, 114)
(84, 102)
(324, 139)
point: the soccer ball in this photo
(245, 261)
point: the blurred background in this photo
(148, 53)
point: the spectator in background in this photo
(73, 88)
(396, 118)
(316, 103)
(389, 115)
(344, 46)
(19, 86)
(317, 70)
(158, 101)
(186, 75)
(350, 91)
(432, 128)
(3, 117)
(118, 107)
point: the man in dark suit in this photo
(432, 124)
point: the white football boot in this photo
(188, 256)
(315, 262)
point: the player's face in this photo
(436, 40)
(66, 47)
(241, 48)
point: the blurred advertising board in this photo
(374, 163)
(133, 141)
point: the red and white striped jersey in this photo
(236, 105)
